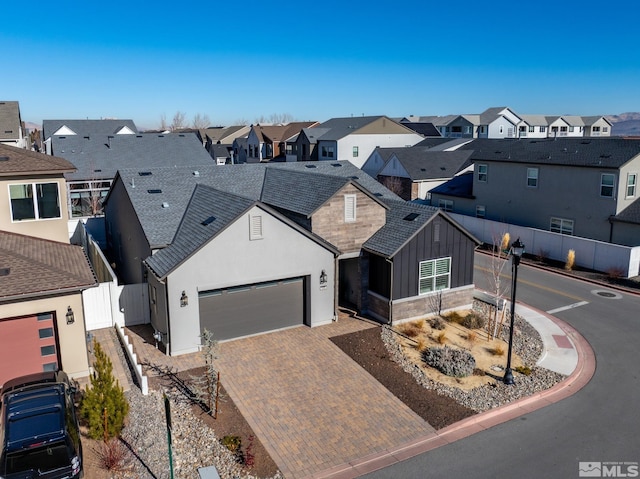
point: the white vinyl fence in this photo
(591, 254)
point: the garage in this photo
(29, 345)
(253, 309)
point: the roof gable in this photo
(10, 121)
(18, 161)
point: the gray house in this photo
(585, 187)
(247, 249)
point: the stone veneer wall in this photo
(420, 306)
(328, 221)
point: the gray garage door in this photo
(252, 309)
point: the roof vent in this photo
(208, 221)
(196, 173)
(165, 204)
(154, 192)
(144, 173)
(336, 164)
(423, 169)
(605, 156)
(377, 194)
(354, 177)
(411, 216)
(4, 158)
(97, 171)
(4, 271)
(309, 166)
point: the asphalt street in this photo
(598, 424)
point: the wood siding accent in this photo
(328, 221)
(452, 243)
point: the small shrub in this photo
(410, 330)
(234, 444)
(249, 456)
(419, 323)
(454, 317)
(542, 256)
(571, 259)
(114, 456)
(615, 273)
(474, 321)
(479, 372)
(437, 323)
(525, 370)
(472, 337)
(504, 244)
(498, 350)
(452, 362)
(441, 338)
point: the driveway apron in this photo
(311, 405)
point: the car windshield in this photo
(35, 426)
(42, 459)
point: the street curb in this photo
(582, 374)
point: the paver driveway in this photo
(313, 407)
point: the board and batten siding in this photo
(452, 243)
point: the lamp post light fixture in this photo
(517, 250)
(70, 316)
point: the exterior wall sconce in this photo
(323, 279)
(184, 300)
(70, 316)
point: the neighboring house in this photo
(239, 150)
(451, 126)
(32, 193)
(224, 135)
(355, 138)
(533, 126)
(306, 142)
(42, 325)
(98, 154)
(267, 142)
(221, 154)
(497, 122)
(12, 131)
(412, 172)
(424, 128)
(247, 249)
(586, 187)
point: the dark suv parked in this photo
(39, 429)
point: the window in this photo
(446, 205)
(456, 129)
(631, 185)
(47, 350)
(571, 129)
(483, 173)
(554, 129)
(607, 182)
(435, 275)
(327, 152)
(480, 211)
(561, 225)
(45, 333)
(34, 201)
(482, 129)
(255, 227)
(605, 129)
(596, 129)
(532, 129)
(355, 151)
(532, 177)
(563, 129)
(543, 129)
(349, 208)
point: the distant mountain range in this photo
(625, 124)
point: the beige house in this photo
(42, 276)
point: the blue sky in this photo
(318, 60)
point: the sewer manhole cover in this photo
(606, 294)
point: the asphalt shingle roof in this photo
(58, 267)
(15, 160)
(87, 127)
(10, 122)
(421, 163)
(608, 152)
(631, 214)
(460, 186)
(340, 127)
(216, 208)
(100, 157)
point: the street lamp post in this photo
(517, 249)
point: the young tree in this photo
(205, 386)
(179, 121)
(499, 253)
(200, 122)
(104, 405)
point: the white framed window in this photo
(561, 225)
(255, 227)
(607, 185)
(446, 205)
(605, 129)
(34, 201)
(355, 151)
(349, 208)
(563, 129)
(532, 129)
(596, 129)
(532, 177)
(543, 129)
(632, 179)
(480, 211)
(571, 129)
(434, 275)
(483, 173)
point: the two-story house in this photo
(12, 130)
(247, 249)
(577, 186)
(267, 142)
(42, 276)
